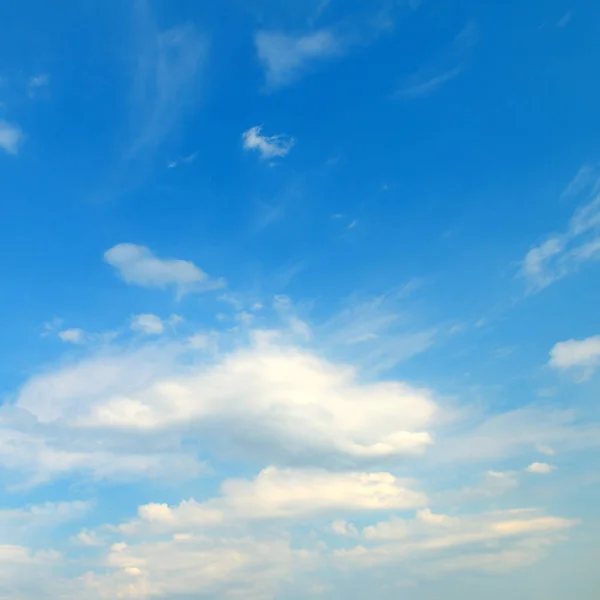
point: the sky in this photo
(299, 299)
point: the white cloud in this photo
(540, 468)
(11, 137)
(138, 265)
(285, 494)
(286, 57)
(19, 523)
(73, 336)
(583, 355)
(274, 146)
(341, 527)
(376, 333)
(183, 160)
(564, 253)
(148, 324)
(513, 433)
(545, 449)
(429, 534)
(187, 565)
(339, 416)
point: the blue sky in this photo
(299, 299)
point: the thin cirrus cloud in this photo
(425, 87)
(11, 137)
(562, 254)
(166, 81)
(447, 68)
(267, 146)
(138, 265)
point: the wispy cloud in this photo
(183, 160)
(428, 86)
(138, 265)
(169, 66)
(11, 137)
(565, 20)
(37, 82)
(285, 57)
(564, 253)
(272, 146)
(448, 67)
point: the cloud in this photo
(292, 494)
(545, 449)
(565, 20)
(512, 433)
(148, 324)
(425, 542)
(73, 336)
(167, 79)
(540, 468)
(27, 522)
(581, 355)
(188, 566)
(11, 137)
(341, 527)
(428, 86)
(285, 57)
(38, 82)
(376, 333)
(450, 66)
(274, 146)
(340, 416)
(563, 254)
(139, 266)
(184, 160)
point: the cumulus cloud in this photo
(147, 324)
(285, 494)
(340, 416)
(11, 137)
(73, 336)
(193, 561)
(273, 146)
(138, 265)
(285, 57)
(540, 468)
(186, 565)
(564, 253)
(580, 355)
